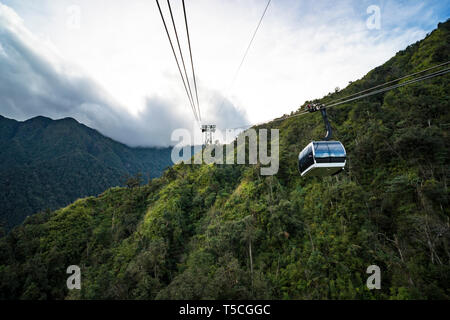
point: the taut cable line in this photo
(191, 97)
(415, 80)
(176, 60)
(192, 61)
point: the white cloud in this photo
(37, 80)
(303, 50)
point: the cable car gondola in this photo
(322, 158)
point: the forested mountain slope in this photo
(225, 232)
(47, 164)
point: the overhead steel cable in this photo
(418, 79)
(176, 59)
(251, 41)
(392, 81)
(246, 52)
(268, 121)
(182, 57)
(425, 77)
(192, 61)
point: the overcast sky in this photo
(108, 63)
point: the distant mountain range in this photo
(47, 164)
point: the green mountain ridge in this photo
(225, 232)
(47, 164)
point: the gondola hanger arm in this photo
(323, 109)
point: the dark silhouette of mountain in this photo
(47, 164)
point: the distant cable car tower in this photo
(208, 131)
